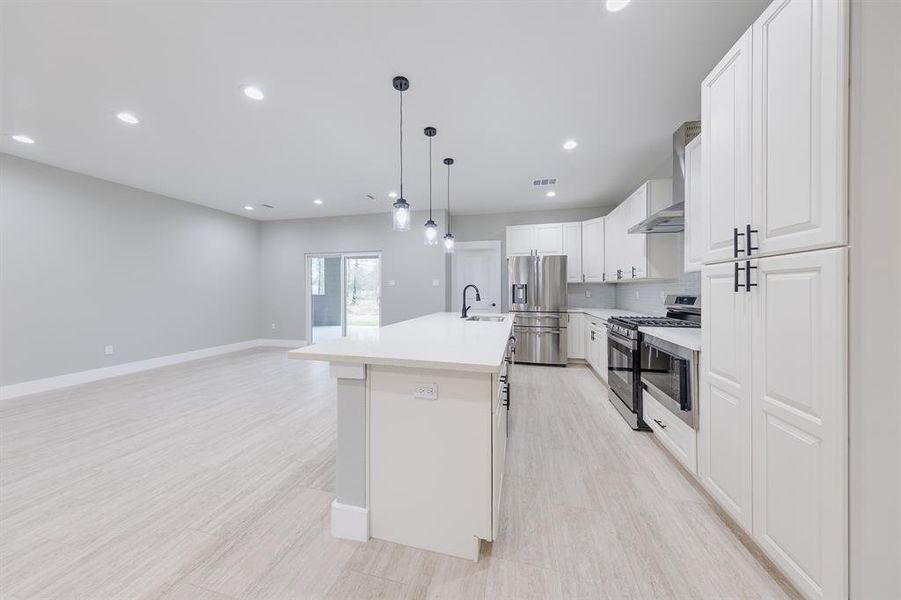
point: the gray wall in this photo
(85, 263)
(405, 259)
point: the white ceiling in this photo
(505, 83)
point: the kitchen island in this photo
(422, 427)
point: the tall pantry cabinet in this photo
(773, 426)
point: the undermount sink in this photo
(485, 318)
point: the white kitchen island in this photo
(422, 428)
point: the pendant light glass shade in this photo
(448, 236)
(431, 233)
(449, 243)
(400, 218)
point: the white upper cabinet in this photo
(799, 139)
(726, 152)
(593, 232)
(519, 240)
(572, 248)
(548, 238)
(639, 255)
(693, 238)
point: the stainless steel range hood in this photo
(672, 218)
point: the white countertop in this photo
(687, 337)
(436, 341)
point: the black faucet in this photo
(466, 308)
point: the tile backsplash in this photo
(647, 297)
(603, 295)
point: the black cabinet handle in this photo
(661, 423)
(748, 244)
(633, 272)
(747, 270)
(735, 236)
(736, 285)
(619, 273)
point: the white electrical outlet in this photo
(391, 282)
(426, 391)
(273, 325)
(108, 350)
(588, 293)
(435, 283)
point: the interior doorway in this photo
(344, 295)
(478, 263)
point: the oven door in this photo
(669, 374)
(621, 368)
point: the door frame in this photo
(308, 286)
(456, 286)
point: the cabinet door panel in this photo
(694, 207)
(726, 150)
(593, 241)
(572, 248)
(799, 138)
(800, 425)
(519, 240)
(724, 435)
(548, 238)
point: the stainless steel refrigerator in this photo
(538, 301)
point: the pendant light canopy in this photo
(448, 237)
(401, 213)
(431, 228)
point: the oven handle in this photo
(624, 341)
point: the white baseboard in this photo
(350, 522)
(47, 384)
(282, 343)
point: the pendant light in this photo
(401, 214)
(431, 228)
(448, 237)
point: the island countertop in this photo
(435, 341)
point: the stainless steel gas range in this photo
(636, 361)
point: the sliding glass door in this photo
(344, 295)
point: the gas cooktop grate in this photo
(635, 322)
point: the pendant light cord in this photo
(401, 144)
(448, 199)
(430, 178)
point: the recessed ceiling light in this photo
(24, 139)
(617, 5)
(317, 201)
(127, 117)
(570, 144)
(551, 194)
(253, 92)
(248, 207)
(392, 194)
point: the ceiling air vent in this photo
(543, 182)
(268, 206)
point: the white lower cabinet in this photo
(724, 432)
(772, 443)
(498, 455)
(596, 346)
(799, 391)
(576, 335)
(678, 437)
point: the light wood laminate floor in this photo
(212, 480)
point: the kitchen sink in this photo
(485, 318)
